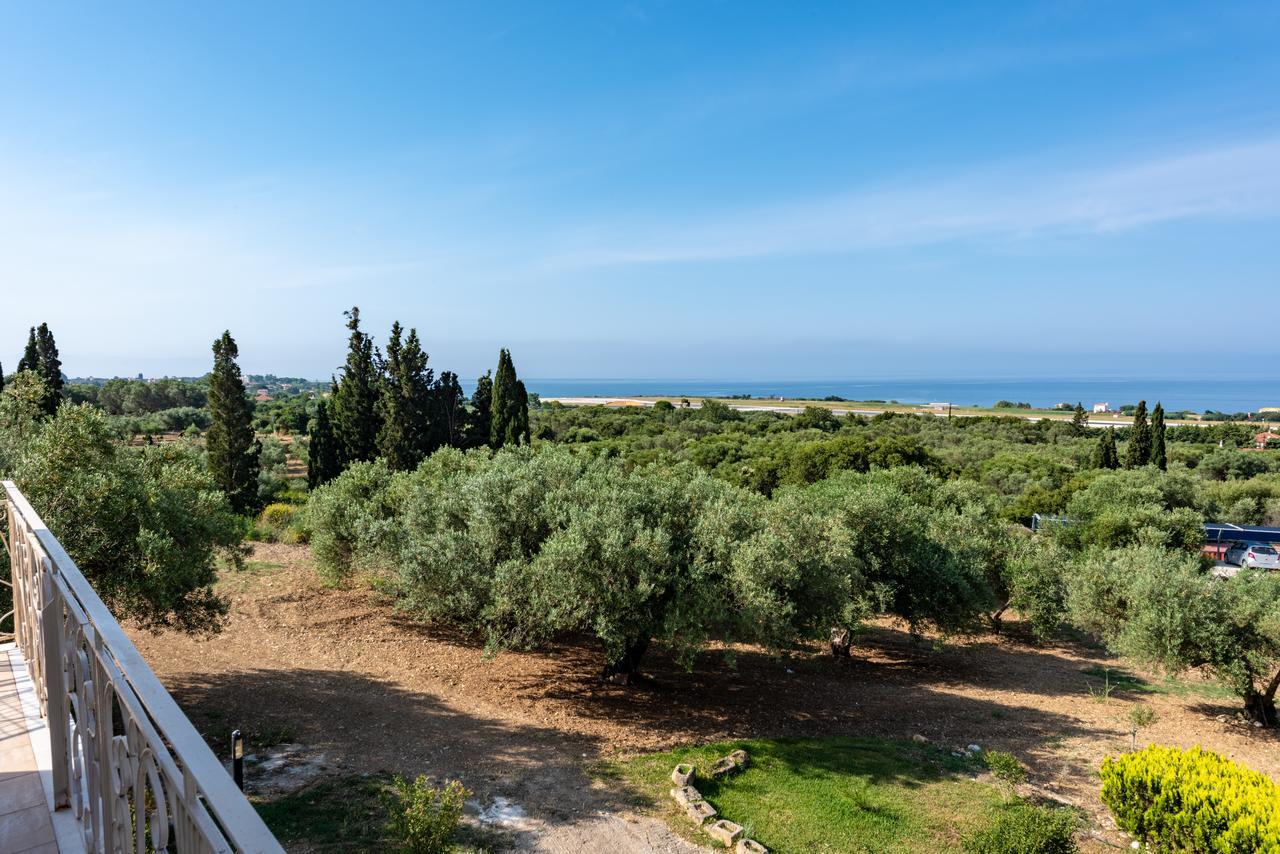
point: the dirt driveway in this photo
(340, 672)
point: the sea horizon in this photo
(1199, 395)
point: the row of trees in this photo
(392, 406)
(523, 546)
(386, 406)
(1147, 442)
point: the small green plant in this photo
(1005, 767)
(422, 817)
(1021, 828)
(860, 794)
(1102, 693)
(1140, 717)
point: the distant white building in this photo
(1101, 407)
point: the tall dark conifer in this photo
(50, 369)
(1138, 452)
(1, 378)
(1080, 420)
(323, 464)
(406, 437)
(353, 411)
(480, 416)
(522, 430)
(30, 360)
(1107, 457)
(233, 450)
(510, 422)
(418, 383)
(1158, 455)
(448, 413)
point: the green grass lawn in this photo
(829, 795)
(1104, 682)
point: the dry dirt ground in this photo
(343, 674)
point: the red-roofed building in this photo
(1261, 440)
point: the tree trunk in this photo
(997, 619)
(1262, 706)
(841, 640)
(627, 668)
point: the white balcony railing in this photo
(126, 761)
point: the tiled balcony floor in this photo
(28, 824)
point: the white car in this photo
(1254, 556)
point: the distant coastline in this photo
(1197, 395)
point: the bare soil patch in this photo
(338, 670)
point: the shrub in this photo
(1005, 767)
(278, 523)
(1192, 800)
(351, 517)
(1021, 828)
(422, 817)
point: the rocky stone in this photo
(724, 831)
(919, 739)
(750, 846)
(739, 758)
(682, 775)
(686, 795)
(973, 748)
(700, 811)
(722, 767)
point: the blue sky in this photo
(731, 190)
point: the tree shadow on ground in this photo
(891, 687)
(363, 724)
(360, 724)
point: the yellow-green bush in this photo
(278, 523)
(1192, 800)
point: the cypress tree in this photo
(30, 360)
(418, 382)
(1, 378)
(322, 451)
(393, 432)
(510, 422)
(50, 369)
(1158, 456)
(448, 414)
(1107, 457)
(353, 411)
(480, 418)
(1138, 452)
(233, 450)
(1080, 420)
(405, 437)
(522, 414)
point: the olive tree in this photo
(911, 565)
(1160, 606)
(144, 526)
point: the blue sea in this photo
(1198, 395)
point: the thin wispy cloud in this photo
(994, 204)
